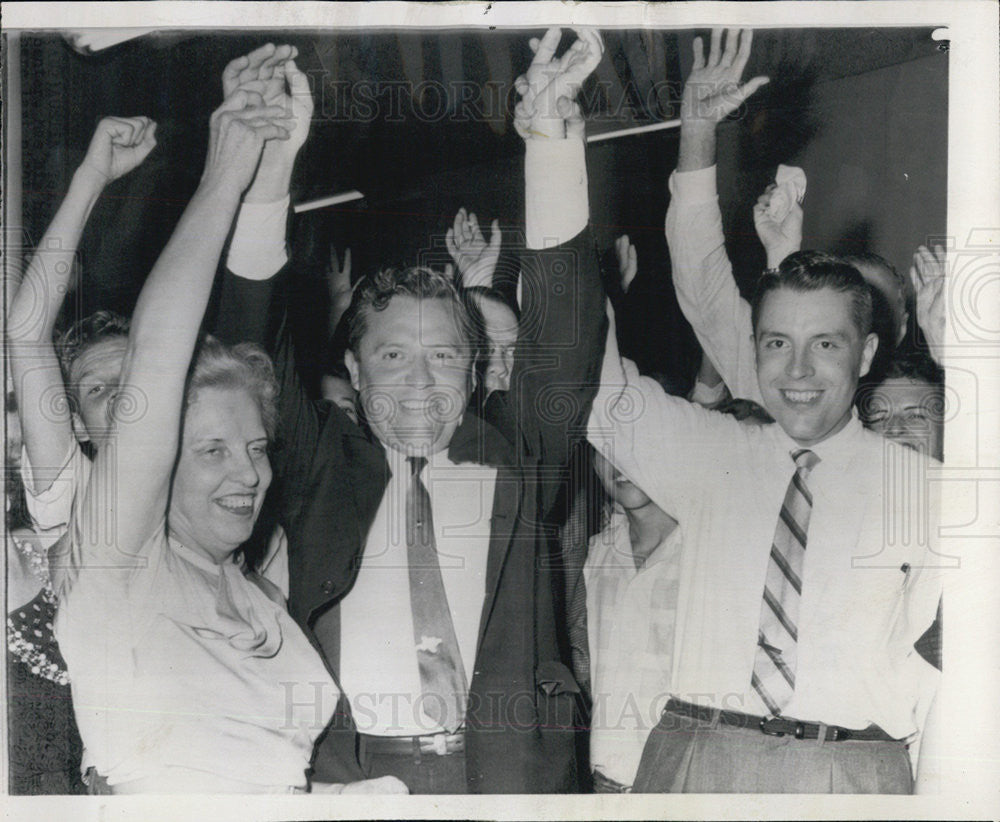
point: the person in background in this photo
(62, 393)
(335, 383)
(475, 258)
(500, 325)
(927, 274)
(64, 390)
(908, 405)
(631, 576)
(44, 750)
(889, 299)
(476, 262)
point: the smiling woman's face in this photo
(222, 474)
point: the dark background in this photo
(419, 121)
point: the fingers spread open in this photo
(714, 54)
(744, 53)
(729, 53)
(699, 54)
(748, 88)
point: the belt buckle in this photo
(762, 725)
(439, 744)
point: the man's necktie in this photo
(442, 674)
(773, 676)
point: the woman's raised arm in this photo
(127, 495)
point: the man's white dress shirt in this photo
(871, 580)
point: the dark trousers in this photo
(687, 755)
(422, 773)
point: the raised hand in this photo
(713, 91)
(261, 70)
(475, 258)
(271, 72)
(338, 282)
(627, 262)
(119, 145)
(928, 276)
(550, 79)
(779, 237)
(238, 130)
(338, 277)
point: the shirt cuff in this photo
(50, 509)
(28, 475)
(694, 186)
(258, 247)
(555, 183)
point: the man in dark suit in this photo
(419, 539)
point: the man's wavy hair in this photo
(92, 329)
(243, 366)
(373, 293)
(812, 271)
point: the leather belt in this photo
(442, 744)
(779, 726)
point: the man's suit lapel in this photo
(506, 510)
(479, 441)
(369, 476)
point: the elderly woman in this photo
(187, 675)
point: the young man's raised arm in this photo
(702, 272)
(119, 145)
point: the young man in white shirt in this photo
(808, 570)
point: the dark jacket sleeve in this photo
(554, 380)
(254, 311)
(559, 350)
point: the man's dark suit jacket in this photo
(333, 472)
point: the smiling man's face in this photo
(810, 355)
(413, 373)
